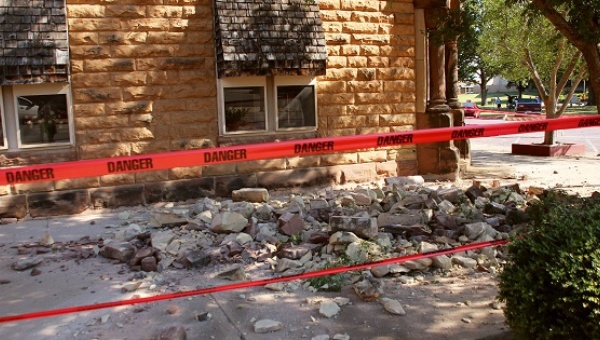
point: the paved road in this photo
(590, 137)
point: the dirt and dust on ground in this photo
(456, 304)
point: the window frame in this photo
(41, 90)
(269, 84)
(242, 82)
(294, 81)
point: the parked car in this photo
(529, 105)
(28, 111)
(471, 109)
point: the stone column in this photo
(437, 160)
(452, 87)
(437, 67)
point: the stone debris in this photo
(368, 288)
(173, 333)
(235, 274)
(329, 308)
(320, 337)
(393, 306)
(46, 240)
(27, 263)
(305, 232)
(267, 325)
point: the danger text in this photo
(395, 139)
(29, 175)
(224, 156)
(313, 147)
(469, 133)
(130, 165)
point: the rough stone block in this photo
(359, 173)
(365, 227)
(290, 224)
(58, 203)
(13, 206)
(254, 195)
(299, 177)
(184, 190)
(128, 195)
(225, 185)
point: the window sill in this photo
(232, 140)
(25, 157)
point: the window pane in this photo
(43, 119)
(244, 109)
(295, 106)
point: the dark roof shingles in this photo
(269, 37)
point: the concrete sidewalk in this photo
(457, 306)
(436, 307)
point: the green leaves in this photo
(551, 283)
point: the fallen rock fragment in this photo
(173, 333)
(329, 308)
(235, 274)
(267, 325)
(254, 195)
(46, 240)
(228, 222)
(122, 251)
(27, 263)
(393, 306)
(368, 288)
(290, 224)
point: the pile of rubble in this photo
(302, 233)
(297, 233)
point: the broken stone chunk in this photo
(122, 251)
(228, 222)
(149, 264)
(166, 220)
(173, 333)
(368, 288)
(235, 274)
(27, 263)
(254, 195)
(290, 224)
(329, 308)
(365, 227)
(196, 259)
(393, 306)
(267, 325)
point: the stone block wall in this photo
(143, 81)
(370, 82)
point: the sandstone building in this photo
(90, 79)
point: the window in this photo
(36, 116)
(254, 105)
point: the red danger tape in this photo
(248, 284)
(315, 146)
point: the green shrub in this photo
(551, 282)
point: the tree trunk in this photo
(591, 97)
(549, 137)
(483, 80)
(592, 59)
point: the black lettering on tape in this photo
(130, 165)
(313, 147)
(532, 127)
(223, 156)
(468, 133)
(395, 140)
(589, 122)
(23, 176)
